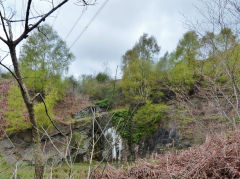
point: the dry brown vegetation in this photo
(69, 105)
(218, 157)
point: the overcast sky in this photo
(117, 28)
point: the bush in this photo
(16, 114)
(16, 111)
(120, 120)
(39, 109)
(147, 118)
(96, 90)
(105, 104)
(143, 123)
(6, 75)
(102, 77)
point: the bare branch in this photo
(12, 73)
(4, 27)
(29, 29)
(4, 57)
(27, 13)
(23, 20)
(83, 3)
(46, 110)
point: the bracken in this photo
(218, 157)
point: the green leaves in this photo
(44, 56)
(39, 109)
(143, 123)
(146, 49)
(147, 118)
(136, 83)
(16, 111)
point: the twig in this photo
(46, 110)
(90, 162)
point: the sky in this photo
(115, 29)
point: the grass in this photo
(60, 171)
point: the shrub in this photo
(105, 104)
(120, 120)
(16, 111)
(41, 116)
(147, 118)
(102, 77)
(143, 123)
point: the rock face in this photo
(87, 112)
(173, 135)
(109, 146)
(77, 142)
(19, 147)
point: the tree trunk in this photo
(38, 157)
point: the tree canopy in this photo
(44, 56)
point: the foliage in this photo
(163, 64)
(105, 104)
(136, 81)
(16, 112)
(72, 84)
(120, 119)
(188, 48)
(181, 75)
(222, 62)
(183, 71)
(77, 140)
(44, 57)
(145, 121)
(16, 118)
(147, 118)
(95, 89)
(39, 109)
(102, 77)
(138, 69)
(6, 75)
(146, 48)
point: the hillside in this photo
(149, 113)
(62, 111)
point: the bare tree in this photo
(6, 18)
(218, 26)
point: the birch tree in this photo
(30, 22)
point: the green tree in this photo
(44, 59)
(183, 63)
(187, 49)
(137, 66)
(146, 48)
(164, 63)
(102, 77)
(136, 81)
(45, 56)
(72, 83)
